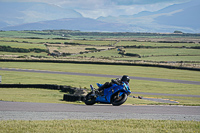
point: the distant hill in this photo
(184, 17)
(14, 13)
(83, 24)
(188, 17)
(40, 16)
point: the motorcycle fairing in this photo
(108, 92)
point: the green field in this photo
(171, 51)
(155, 44)
(26, 34)
(85, 81)
(93, 42)
(49, 96)
(167, 59)
(22, 45)
(32, 41)
(55, 41)
(149, 55)
(23, 55)
(67, 45)
(109, 70)
(31, 95)
(147, 46)
(112, 54)
(100, 126)
(77, 46)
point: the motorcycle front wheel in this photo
(89, 99)
(119, 100)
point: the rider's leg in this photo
(106, 85)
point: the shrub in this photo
(91, 49)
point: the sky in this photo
(98, 8)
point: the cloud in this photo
(143, 2)
(97, 8)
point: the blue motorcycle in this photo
(115, 95)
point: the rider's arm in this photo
(116, 81)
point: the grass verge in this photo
(31, 95)
(100, 126)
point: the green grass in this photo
(24, 34)
(149, 54)
(164, 54)
(48, 96)
(31, 95)
(84, 81)
(100, 126)
(8, 54)
(18, 43)
(34, 41)
(74, 49)
(164, 58)
(109, 70)
(22, 45)
(136, 101)
(107, 53)
(91, 42)
(40, 78)
(186, 101)
(163, 51)
(50, 40)
(164, 87)
(155, 44)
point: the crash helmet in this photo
(125, 78)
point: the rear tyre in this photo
(119, 100)
(89, 99)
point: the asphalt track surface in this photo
(52, 111)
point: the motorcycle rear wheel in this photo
(119, 100)
(89, 99)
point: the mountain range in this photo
(41, 16)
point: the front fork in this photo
(120, 93)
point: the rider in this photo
(117, 81)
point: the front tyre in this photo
(89, 99)
(118, 100)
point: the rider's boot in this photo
(93, 90)
(102, 92)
